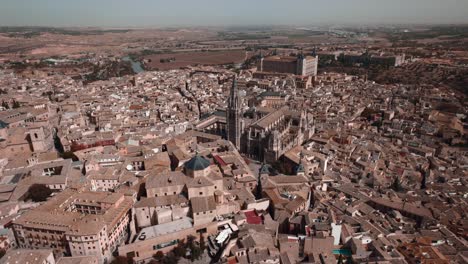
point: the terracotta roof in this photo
(203, 204)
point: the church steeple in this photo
(234, 95)
(233, 115)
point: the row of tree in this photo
(166, 60)
(189, 249)
(15, 104)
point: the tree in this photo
(158, 256)
(170, 258)
(180, 250)
(423, 180)
(202, 242)
(69, 155)
(48, 94)
(190, 241)
(83, 170)
(16, 104)
(39, 192)
(195, 250)
(196, 253)
(396, 185)
(259, 190)
(58, 144)
(5, 105)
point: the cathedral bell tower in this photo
(234, 116)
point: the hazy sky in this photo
(139, 13)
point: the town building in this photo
(76, 223)
(300, 65)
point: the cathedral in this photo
(266, 130)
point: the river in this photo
(136, 65)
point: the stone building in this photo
(267, 130)
(77, 224)
(300, 65)
(271, 131)
(270, 136)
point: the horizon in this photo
(246, 26)
(211, 13)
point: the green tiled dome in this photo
(197, 163)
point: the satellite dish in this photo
(129, 167)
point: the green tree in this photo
(69, 155)
(159, 256)
(58, 144)
(196, 253)
(5, 105)
(16, 104)
(170, 258)
(180, 250)
(202, 243)
(39, 192)
(440, 179)
(396, 185)
(259, 189)
(195, 250)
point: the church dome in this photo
(197, 163)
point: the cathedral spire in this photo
(234, 90)
(233, 115)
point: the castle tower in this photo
(260, 64)
(234, 115)
(301, 64)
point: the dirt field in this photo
(78, 42)
(194, 58)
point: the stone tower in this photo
(301, 64)
(41, 139)
(260, 62)
(234, 116)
